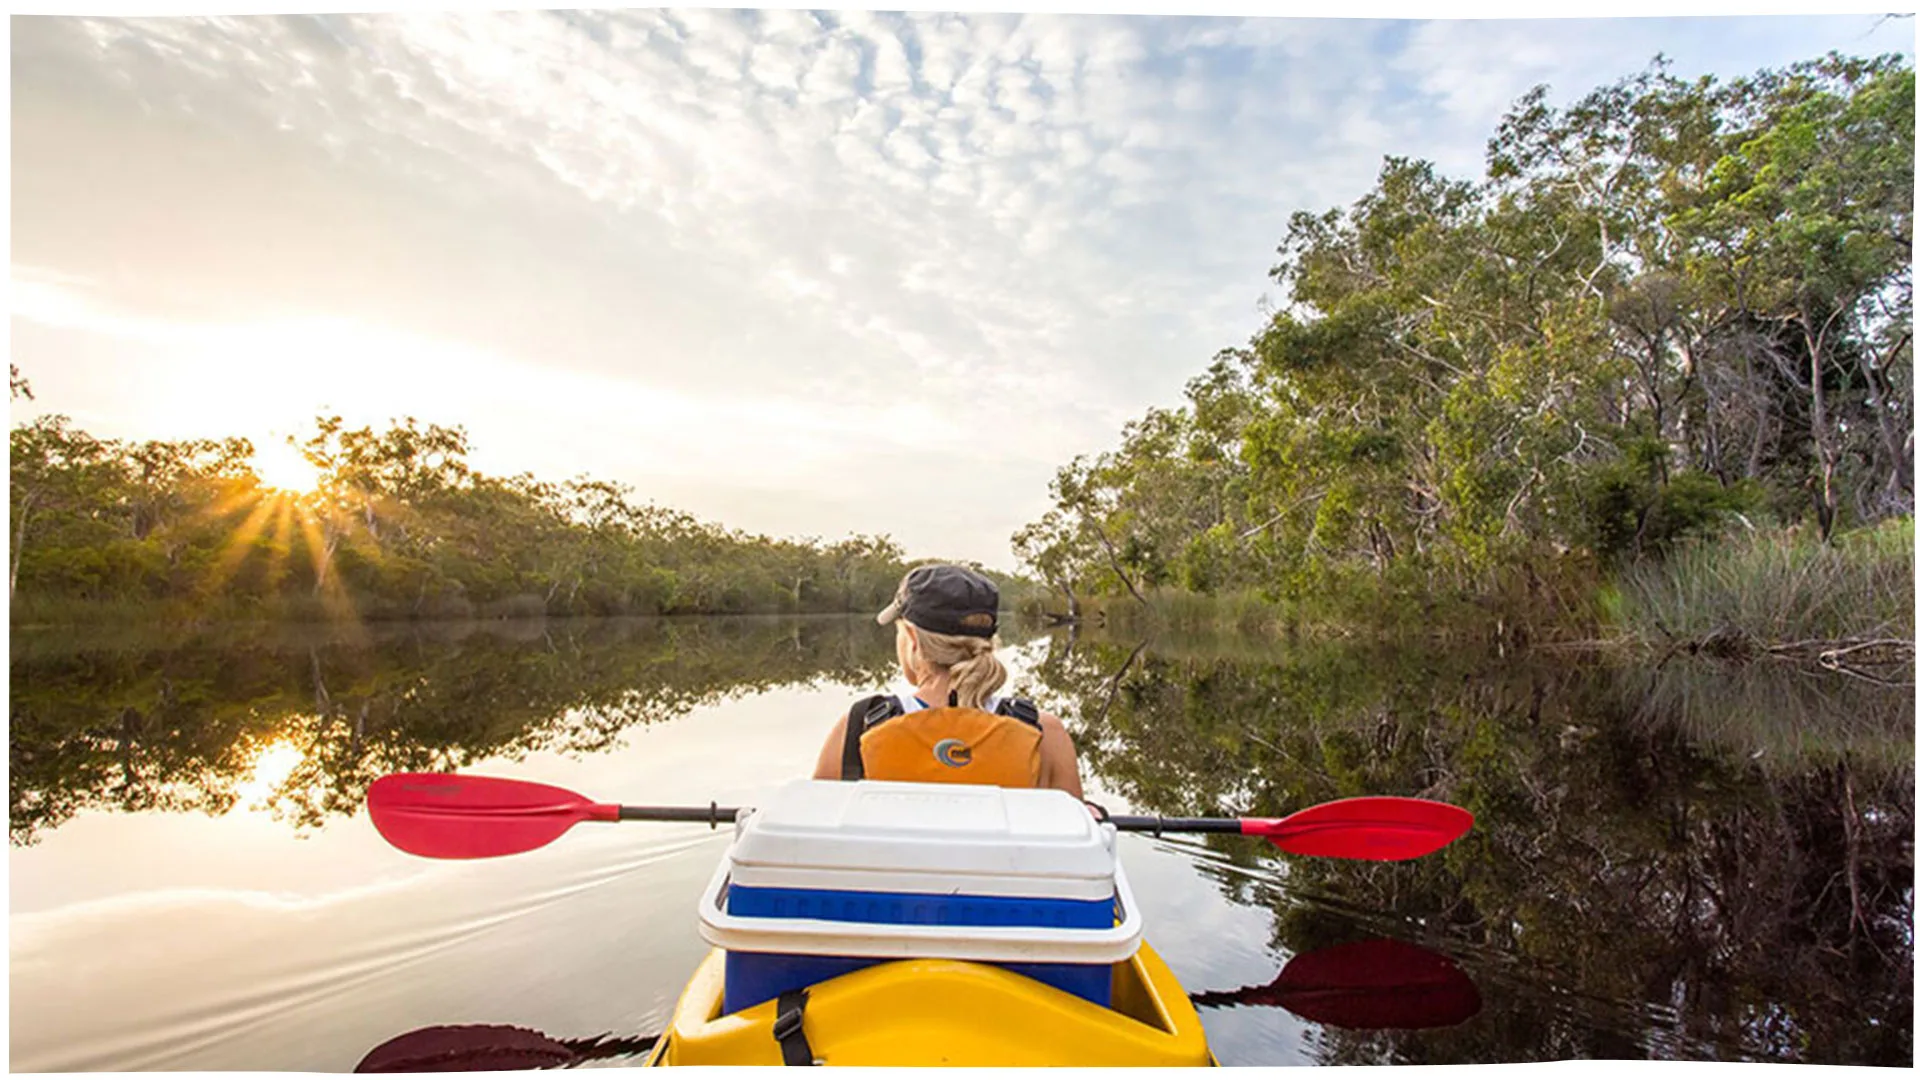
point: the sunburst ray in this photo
(333, 595)
(282, 541)
(237, 547)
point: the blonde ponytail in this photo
(973, 670)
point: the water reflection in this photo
(493, 1048)
(305, 721)
(1686, 861)
(1367, 985)
(1693, 862)
(272, 766)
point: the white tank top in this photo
(910, 699)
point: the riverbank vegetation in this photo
(396, 525)
(1779, 592)
(1658, 358)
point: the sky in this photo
(801, 273)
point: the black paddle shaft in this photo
(712, 813)
(1159, 825)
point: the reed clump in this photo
(1772, 590)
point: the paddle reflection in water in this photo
(1365, 985)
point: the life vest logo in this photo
(953, 752)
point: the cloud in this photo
(1055, 218)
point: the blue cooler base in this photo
(917, 909)
(756, 977)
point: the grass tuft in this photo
(1747, 592)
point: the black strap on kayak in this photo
(789, 1031)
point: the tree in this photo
(1807, 223)
(60, 480)
(1668, 302)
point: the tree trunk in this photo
(19, 543)
(1823, 442)
(1822, 438)
(331, 537)
(1113, 560)
(1896, 437)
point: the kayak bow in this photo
(946, 1013)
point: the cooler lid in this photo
(925, 829)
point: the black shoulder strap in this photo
(865, 713)
(1020, 709)
(789, 1029)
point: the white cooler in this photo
(829, 876)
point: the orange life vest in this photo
(944, 745)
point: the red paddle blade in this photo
(443, 816)
(1377, 984)
(1381, 827)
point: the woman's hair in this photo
(969, 662)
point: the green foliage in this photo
(1635, 506)
(1669, 303)
(400, 527)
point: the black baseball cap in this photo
(946, 600)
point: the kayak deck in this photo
(947, 1012)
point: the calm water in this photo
(1686, 862)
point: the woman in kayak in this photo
(953, 728)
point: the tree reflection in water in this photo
(1688, 861)
(130, 726)
(1694, 862)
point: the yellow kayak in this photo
(946, 1012)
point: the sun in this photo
(281, 467)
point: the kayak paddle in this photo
(447, 816)
(444, 816)
(1380, 827)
